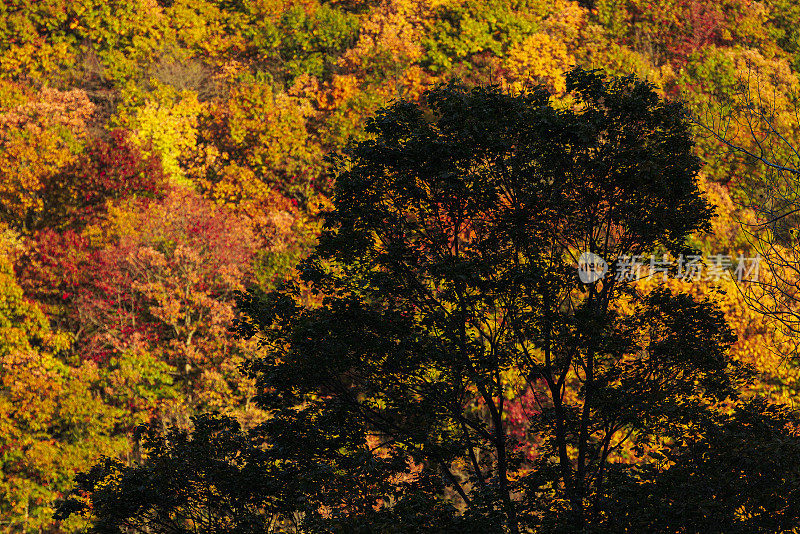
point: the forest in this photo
(315, 266)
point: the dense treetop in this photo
(446, 292)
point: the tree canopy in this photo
(448, 284)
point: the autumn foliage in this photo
(159, 159)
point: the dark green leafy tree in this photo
(448, 269)
(206, 482)
(311, 43)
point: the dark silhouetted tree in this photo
(448, 265)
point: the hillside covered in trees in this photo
(165, 165)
